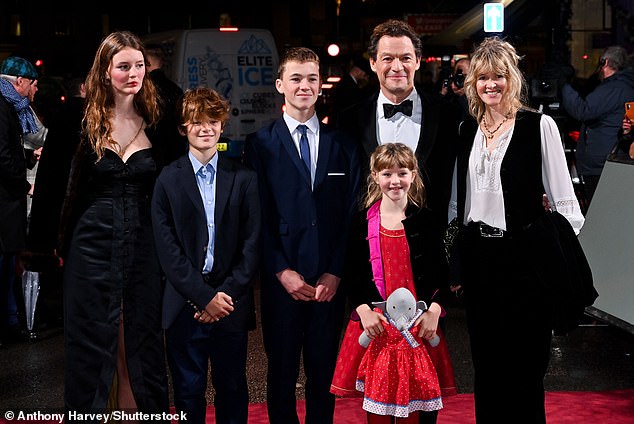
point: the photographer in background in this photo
(601, 115)
(453, 87)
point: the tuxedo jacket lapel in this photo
(429, 127)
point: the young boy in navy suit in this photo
(308, 176)
(206, 217)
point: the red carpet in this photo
(614, 407)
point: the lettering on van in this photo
(255, 63)
(256, 69)
(210, 71)
(258, 103)
(249, 75)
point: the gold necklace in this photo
(123, 149)
(491, 133)
(139, 132)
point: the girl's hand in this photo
(428, 322)
(372, 322)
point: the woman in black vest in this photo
(505, 255)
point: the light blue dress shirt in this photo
(206, 179)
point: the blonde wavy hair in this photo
(499, 57)
(394, 155)
(96, 126)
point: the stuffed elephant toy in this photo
(400, 308)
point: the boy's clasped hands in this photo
(219, 307)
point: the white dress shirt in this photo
(399, 128)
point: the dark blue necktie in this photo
(304, 149)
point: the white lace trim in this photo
(401, 411)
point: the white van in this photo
(240, 64)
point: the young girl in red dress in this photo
(398, 235)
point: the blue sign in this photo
(493, 17)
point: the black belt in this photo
(487, 231)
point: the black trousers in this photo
(191, 347)
(509, 327)
(294, 330)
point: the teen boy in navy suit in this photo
(308, 177)
(206, 217)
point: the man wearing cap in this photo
(17, 76)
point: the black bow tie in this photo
(405, 108)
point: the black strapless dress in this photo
(112, 264)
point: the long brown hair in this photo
(100, 96)
(388, 156)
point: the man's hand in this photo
(326, 287)
(295, 285)
(627, 128)
(37, 153)
(627, 125)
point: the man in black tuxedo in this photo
(402, 112)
